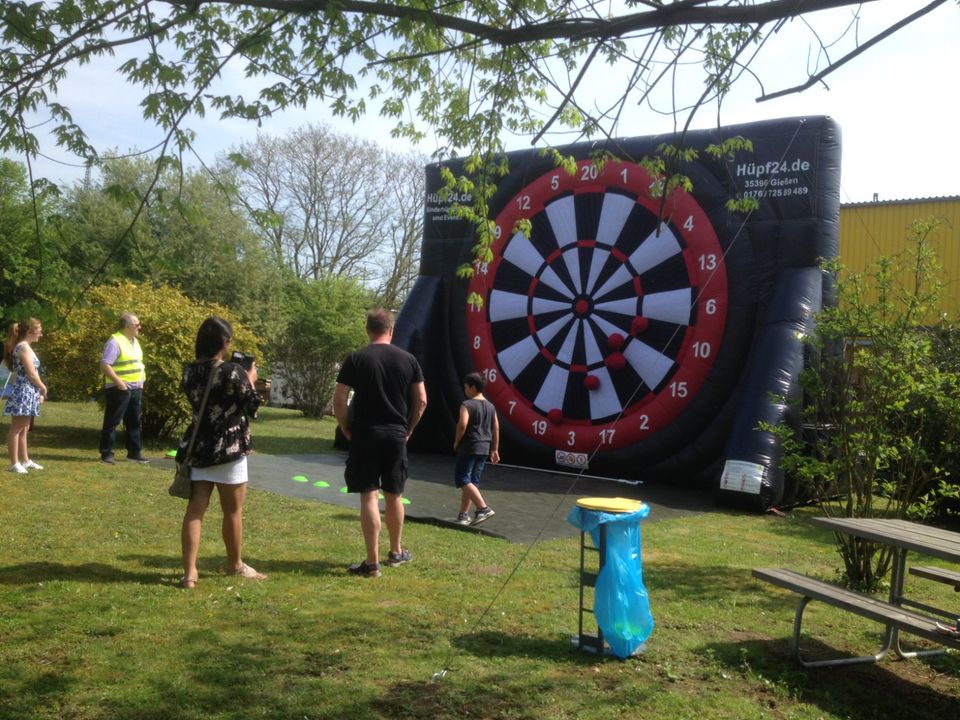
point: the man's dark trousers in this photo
(121, 405)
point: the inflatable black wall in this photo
(636, 337)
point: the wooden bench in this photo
(950, 577)
(893, 617)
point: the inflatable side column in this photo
(752, 477)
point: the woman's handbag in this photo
(180, 487)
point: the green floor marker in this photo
(380, 496)
(171, 453)
(343, 490)
(404, 501)
(300, 478)
(321, 483)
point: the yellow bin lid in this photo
(614, 505)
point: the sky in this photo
(898, 106)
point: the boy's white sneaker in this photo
(482, 514)
(18, 469)
(31, 465)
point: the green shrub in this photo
(71, 353)
(328, 317)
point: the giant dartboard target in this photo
(603, 308)
(624, 333)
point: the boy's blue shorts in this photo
(468, 470)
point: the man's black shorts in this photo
(377, 460)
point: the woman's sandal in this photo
(247, 573)
(188, 583)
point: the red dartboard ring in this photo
(599, 327)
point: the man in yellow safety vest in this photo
(122, 364)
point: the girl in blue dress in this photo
(28, 393)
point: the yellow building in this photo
(871, 230)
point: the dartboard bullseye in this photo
(600, 325)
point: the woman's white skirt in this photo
(231, 473)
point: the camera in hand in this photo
(242, 359)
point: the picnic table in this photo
(899, 613)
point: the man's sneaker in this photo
(108, 459)
(365, 569)
(31, 465)
(138, 459)
(18, 469)
(464, 518)
(400, 558)
(482, 514)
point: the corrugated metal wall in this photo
(872, 230)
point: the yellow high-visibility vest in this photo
(129, 364)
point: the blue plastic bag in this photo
(621, 603)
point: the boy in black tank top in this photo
(477, 439)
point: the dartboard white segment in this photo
(506, 305)
(539, 306)
(621, 277)
(657, 247)
(604, 401)
(672, 306)
(629, 307)
(547, 334)
(516, 357)
(651, 365)
(549, 278)
(616, 210)
(597, 261)
(563, 221)
(594, 354)
(565, 355)
(522, 254)
(608, 328)
(554, 389)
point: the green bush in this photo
(71, 353)
(328, 317)
(886, 391)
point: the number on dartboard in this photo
(497, 232)
(523, 202)
(710, 307)
(571, 438)
(708, 262)
(490, 374)
(539, 427)
(644, 422)
(476, 342)
(623, 174)
(688, 223)
(701, 349)
(678, 389)
(606, 436)
(513, 404)
(588, 172)
(555, 182)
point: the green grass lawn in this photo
(92, 624)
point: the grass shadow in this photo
(39, 572)
(214, 565)
(887, 690)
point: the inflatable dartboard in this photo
(631, 334)
(602, 310)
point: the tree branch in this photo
(814, 79)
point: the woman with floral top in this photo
(219, 457)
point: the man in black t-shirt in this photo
(389, 398)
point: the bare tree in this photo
(331, 204)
